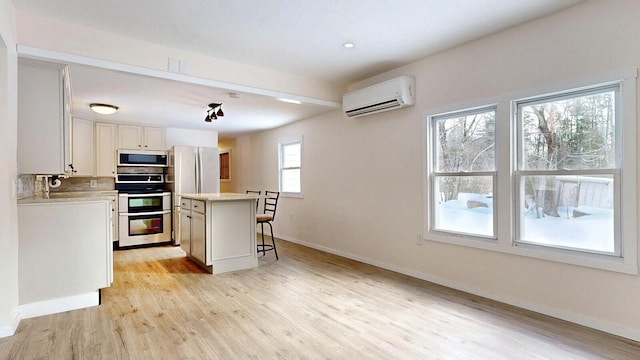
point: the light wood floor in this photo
(307, 305)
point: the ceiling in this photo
(298, 37)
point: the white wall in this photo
(71, 39)
(363, 181)
(189, 137)
(8, 209)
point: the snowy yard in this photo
(594, 231)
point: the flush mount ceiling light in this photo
(348, 45)
(104, 109)
(212, 114)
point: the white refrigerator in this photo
(192, 170)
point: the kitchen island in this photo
(218, 230)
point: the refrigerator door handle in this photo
(198, 171)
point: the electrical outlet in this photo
(419, 239)
(94, 183)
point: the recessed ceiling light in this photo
(104, 109)
(348, 45)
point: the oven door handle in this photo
(129, 195)
(147, 213)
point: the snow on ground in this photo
(591, 232)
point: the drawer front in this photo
(197, 205)
(185, 204)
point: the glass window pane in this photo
(465, 143)
(464, 204)
(291, 180)
(576, 133)
(291, 155)
(568, 211)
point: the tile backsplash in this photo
(84, 184)
(27, 186)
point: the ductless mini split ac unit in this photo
(389, 95)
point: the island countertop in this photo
(221, 196)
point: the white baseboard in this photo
(633, 334)
(55, 306)
(6, 331)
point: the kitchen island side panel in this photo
(233, 235)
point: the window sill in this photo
(596, 261)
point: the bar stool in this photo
(267, 216)
(257, 200)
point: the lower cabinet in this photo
(65, 254)
(193, 229)
(198, 244)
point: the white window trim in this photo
(433, 174)
(284, 142)
(505, 200)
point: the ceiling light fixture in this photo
(104, 109)
(348, 45)
(212, 114)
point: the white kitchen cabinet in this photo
(59, 261)
(192, 229)
(198, 236)
(105, 139)
(135, 137)
(154, 138)
(82, 148)
(185, 229)
(44, 112)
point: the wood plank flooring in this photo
(307, 305)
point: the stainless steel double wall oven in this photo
(144, 205)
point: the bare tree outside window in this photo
(464, 171)
(567, 160)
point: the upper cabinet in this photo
(82, 147)
(154, 138)
(136, 137)
(105, 149)
(44, 113)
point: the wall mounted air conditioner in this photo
(389, 95)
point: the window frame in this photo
(506, 165)
(519, 173)
(281, 145)
(434, 174)
(220, 155)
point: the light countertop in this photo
(70, 196)
(221, 196)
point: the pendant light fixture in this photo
(212, 114)
(103, 109)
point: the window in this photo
(463, 173)
(290, 159)
(225, 165)
(568, 170)
(549, 175)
